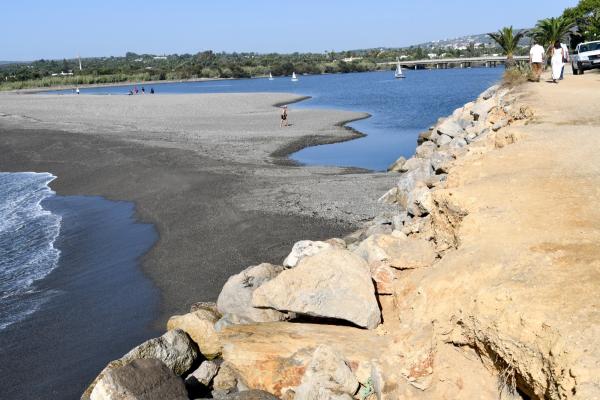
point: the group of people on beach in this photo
(559, 57)
(135, 90)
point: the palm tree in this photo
(508, 39)
(550, 30)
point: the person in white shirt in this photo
(566, 59)
(536, 59)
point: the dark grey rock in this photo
(143, 379)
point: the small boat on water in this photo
(398, 74)
(294, 77)
(270, 76)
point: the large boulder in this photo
(274, 356)
(489, 92)
(304, 248)
(327, 377)
(450, 128)
(235, 299)
(143, 379)
(389, 197)
(200, 326)
(174, 349)
(443, 140)
(398, 252)
(457, 143)
(412, 163)
(396, 166)
(409, 180)
(482, 108)
(419, 201)
(441, 162)
(334, 283)
(425, 150)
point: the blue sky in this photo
(34, 29)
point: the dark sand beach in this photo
(217, 199)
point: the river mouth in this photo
(399, 108)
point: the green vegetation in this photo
(550, 30)
(586, 16)
(207, 64)
(508, 40)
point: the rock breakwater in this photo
(414, 305)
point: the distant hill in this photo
(465, 41)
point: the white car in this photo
(586, 56)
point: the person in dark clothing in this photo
(284, 117)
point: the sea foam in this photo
(27, 235)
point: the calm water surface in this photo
(400, 109)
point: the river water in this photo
(399, 108)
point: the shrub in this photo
(518, 75)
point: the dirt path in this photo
(522, 286)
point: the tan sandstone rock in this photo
(275, 356)
(199, 325)
(327, 376)
(398, 252)
(383, 275)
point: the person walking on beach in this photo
(284, 117)
(143, 90)
(557, 61)
(536, 59)
(566, 59)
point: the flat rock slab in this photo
(274, 356)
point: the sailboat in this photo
(270, 76)
(294, 77)
(398, 74)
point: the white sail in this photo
(270, 76)
(294, 78)
(398, 73)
